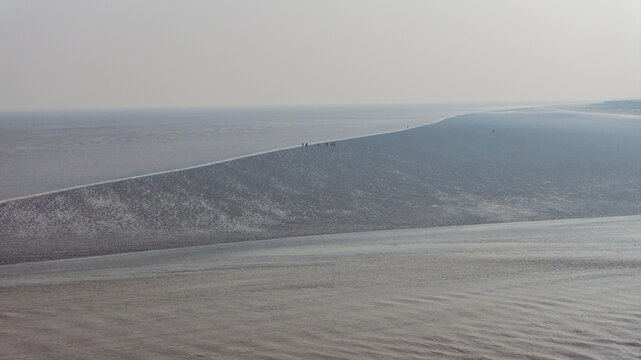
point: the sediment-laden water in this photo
(562, 289)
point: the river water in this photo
(560, 289)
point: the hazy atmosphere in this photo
(298, 179)
(123, 54)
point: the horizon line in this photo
(275, 106)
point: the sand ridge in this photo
(536, 164)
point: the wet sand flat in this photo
(531, 164)
(562, 289)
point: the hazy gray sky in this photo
(104, 54)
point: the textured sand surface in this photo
(492, 167)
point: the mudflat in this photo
(492, 167)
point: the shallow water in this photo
(45, 151)
(538, 290)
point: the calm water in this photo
(564, 289)
(45, 151)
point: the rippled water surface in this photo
(538, 290)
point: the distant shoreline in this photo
(616, 107)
